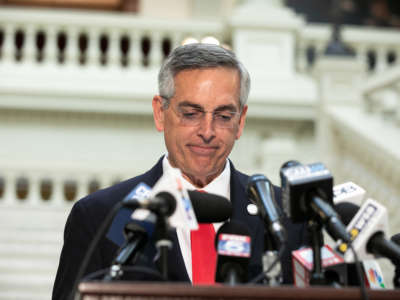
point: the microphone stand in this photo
(271, 259)
(317, 275)
(163, 244)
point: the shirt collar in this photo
(219, 186)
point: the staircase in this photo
(30, 244)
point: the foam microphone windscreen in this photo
(346, 211)
(210, 208)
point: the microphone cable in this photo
(92, 246)
(360, 276)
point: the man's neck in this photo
(199, 182)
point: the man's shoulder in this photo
(241, 177)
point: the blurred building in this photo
(76, 83)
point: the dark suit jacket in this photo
(88, 214)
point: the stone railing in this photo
(381, 94)
(51, 37)
(377, 48)
(34, 187)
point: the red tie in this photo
(203, 254)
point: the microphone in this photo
(261, 193)
(210, 208)
(396, 279)
(233, 246)
(163, 203)
(207, 207)
(367, 229)
(308, 195)
(346, 211)
(371, 271)
(136, 233)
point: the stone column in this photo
(338, 79)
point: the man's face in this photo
(200, 150)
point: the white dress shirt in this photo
(219, 186)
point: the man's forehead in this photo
(179, 86)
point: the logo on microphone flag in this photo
(234, 245)
(373, 274)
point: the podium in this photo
(172, 291)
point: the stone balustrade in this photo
(124, 40)
(50, 37)
(377, 48)
(50, 188)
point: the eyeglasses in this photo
(192, 116)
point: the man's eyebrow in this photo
(190, 104)
(227, 107)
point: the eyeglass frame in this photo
(166, 103)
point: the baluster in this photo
(155, 55)
(114, 50)
(50, 47)
(104, 180)
(93, 51)
(71, 52)
(134, 55)
(397, 53)
(381, 63)
(29, 47)
(9, 48)
(81, 186)
(301, 56)
(57, 196)
(176, 39)
(10, 196)
(397, 114)
(33, 197)
(361, 55)
(319, 50)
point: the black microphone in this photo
(261, 192)
(346, 211)
(210, 208)
(396, 279)
(308, 195)
(163, 203)
(136, 233)
(233, 246)
(379, 245)
(136, 237)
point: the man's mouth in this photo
(202, 150)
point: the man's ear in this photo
(242, 121)
(158, 112)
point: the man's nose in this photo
(207, 127)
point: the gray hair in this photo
(199, 56)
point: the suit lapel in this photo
(239, 198)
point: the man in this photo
(201, 108)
